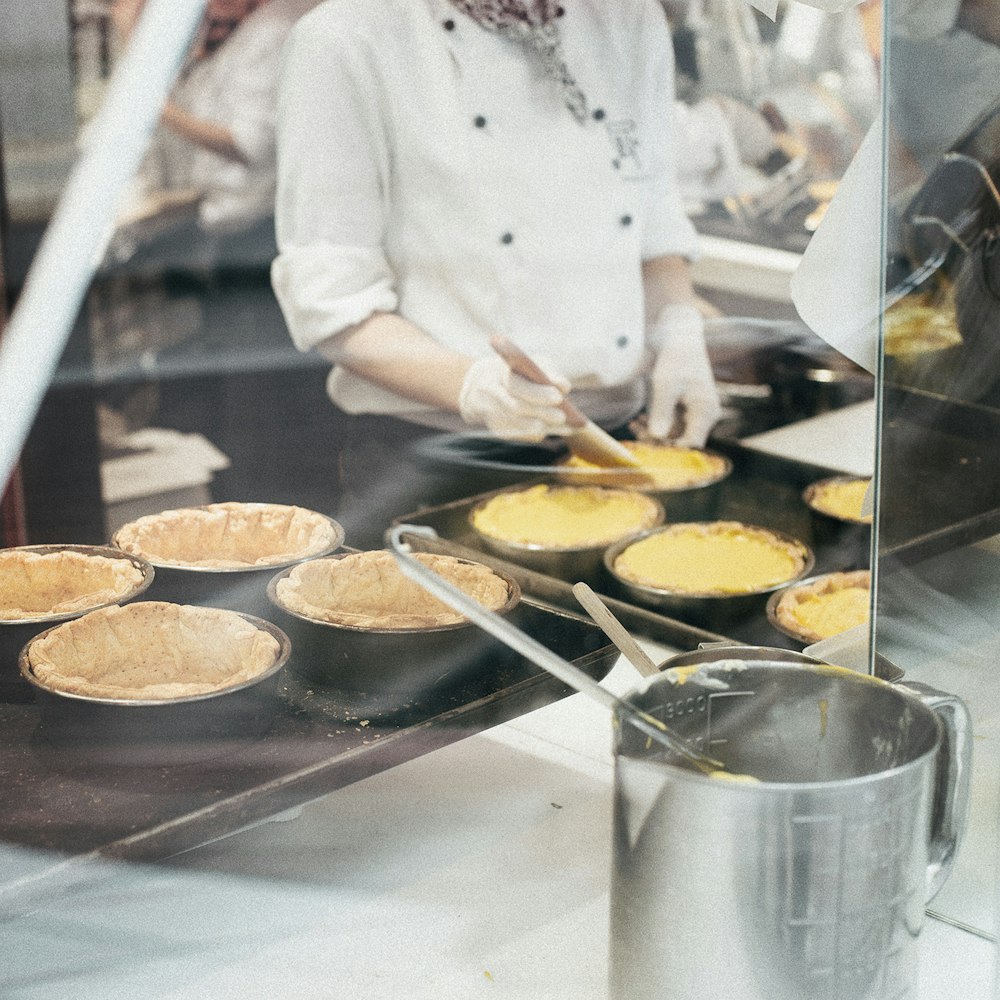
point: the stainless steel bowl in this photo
(572, 563)
(714, 652)
(157, 732)
(15, 632)
(708, 610)
(237, 588)
(395, 665)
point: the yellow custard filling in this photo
(918, 324)
(565, 516)
(724, 557)
(667, 467)
(833, 613)
(841, 498)
(827, 607)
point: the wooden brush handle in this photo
(521, 364)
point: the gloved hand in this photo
(510, 406)
(682, 387)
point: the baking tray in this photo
(762, 489)
(69, 812)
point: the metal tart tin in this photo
(710, 610)
(694, 502)
(848, 537)
(398, 663)
(15, 632)
(130, 732)
(571, 563)
(237, 588)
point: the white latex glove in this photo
(510, 406)
(682, 387)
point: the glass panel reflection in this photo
(939, 497)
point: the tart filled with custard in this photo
(824, 607)
(565, 517)
(840, 497)
(712, 559)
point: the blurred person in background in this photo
(217, 134)
(224, 367)
(945, 67)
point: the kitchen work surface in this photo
(480, 867)
(478, 870)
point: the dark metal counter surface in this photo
(67, 809)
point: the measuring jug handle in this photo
(950, 807)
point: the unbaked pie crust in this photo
(229, 535)
(151, 650)
(368, 590)
(38, 584)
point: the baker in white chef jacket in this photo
(449, 170)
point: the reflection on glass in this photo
(771, 112)
(181, 318)
(939, 556)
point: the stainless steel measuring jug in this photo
(802, 871)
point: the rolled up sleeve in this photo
(323, 289)
(331, 271)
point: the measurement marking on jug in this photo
(685, 706)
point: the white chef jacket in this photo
(427, 166)
(236, 87)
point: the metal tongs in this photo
(528, 647)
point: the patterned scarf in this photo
(531, 23)
(216, 29)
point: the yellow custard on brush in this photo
(714, 558)
(563, 517)
(666, 466)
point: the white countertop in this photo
(481, 869)
(842, 439)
